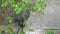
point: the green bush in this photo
(18, 8)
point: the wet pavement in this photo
(50, 19)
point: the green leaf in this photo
(18, 11)
(35, 8)
(43, 6)
(39, 1)
(30, 5)
(25, 1)
(22, 32)
(39, 9)
(14, 4)
(50, 32)
(23, 6)
(4, 4)
(10, 31)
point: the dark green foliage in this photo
(3, 32)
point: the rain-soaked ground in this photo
(50, 20)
